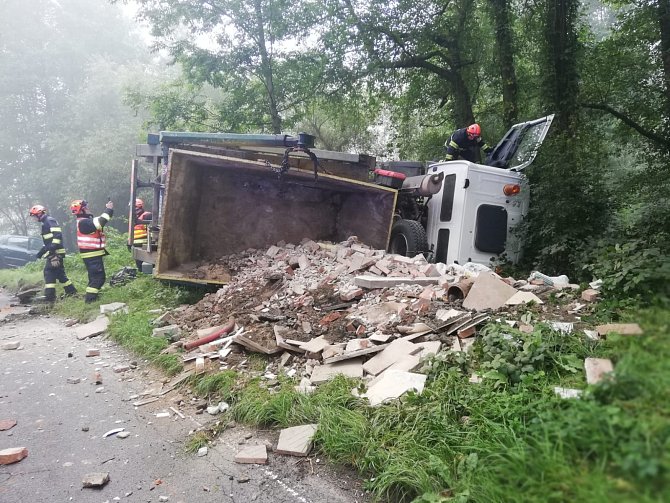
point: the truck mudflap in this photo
(215, 206)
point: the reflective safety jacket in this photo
(91, 239)
(141, 230)
(52, 236)
(459, 146)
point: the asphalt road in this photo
(62, 424)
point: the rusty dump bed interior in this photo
(217, 205)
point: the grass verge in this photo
(509, 438)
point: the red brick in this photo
(12, 455)
(468, 332)
(330, 317)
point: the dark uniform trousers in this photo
(53, 274)
(96, 277)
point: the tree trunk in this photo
(664, 22)
(266, 70)
(561, 79)
(462, 109)
(505, 53)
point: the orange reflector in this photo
(511, 189)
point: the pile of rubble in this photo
(325, 309)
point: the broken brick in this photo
(330, 317)
(590, 295)
(12, 455)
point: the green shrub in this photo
(637, 268)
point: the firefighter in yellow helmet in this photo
(91, 241)
(141, 228)
(465, 144)
(54, 268)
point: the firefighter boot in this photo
(90, 297)
(70, 290)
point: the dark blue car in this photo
(17, 251)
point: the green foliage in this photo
(218, 385)
(508, 356)
(253, 62)
(632, 269)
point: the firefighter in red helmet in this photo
(54, 268)
(91, 241)
(465, 144)
(141, 228)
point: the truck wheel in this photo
(408, 238)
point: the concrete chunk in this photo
(169, 332)
(395, 351)
(596, 368)
(96, 327)
(567, 392)
(114, 307)
(11, 345)
(429, 348)
(163, 320)
(446, 315)
(407, 363)
(254, 454)
(523, 298)
(619, 328)
(349, 368)
(378, 314)
(296, 441)
(315, 345)
(488, 292)
(590, 295)
(95, 479)
(371, 282)
(354, 354)
(393, 384)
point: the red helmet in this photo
(37, 211)
(139, 204)
(474, 131)
(77, 206)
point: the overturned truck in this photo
(217, 194)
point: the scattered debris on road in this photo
(95, 479)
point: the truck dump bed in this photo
(216, 205)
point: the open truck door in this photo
(520, 145)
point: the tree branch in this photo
(650, 135)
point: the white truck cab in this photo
(472, 217)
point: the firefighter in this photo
(141, 228)
(465, 143)
(91, 242)
(54, 268)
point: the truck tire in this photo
(408, 238)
